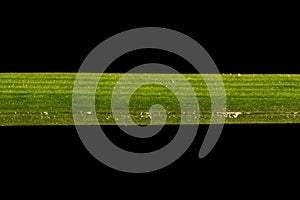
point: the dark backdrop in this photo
(267, 44)
(256, 155)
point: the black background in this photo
(254, 156)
